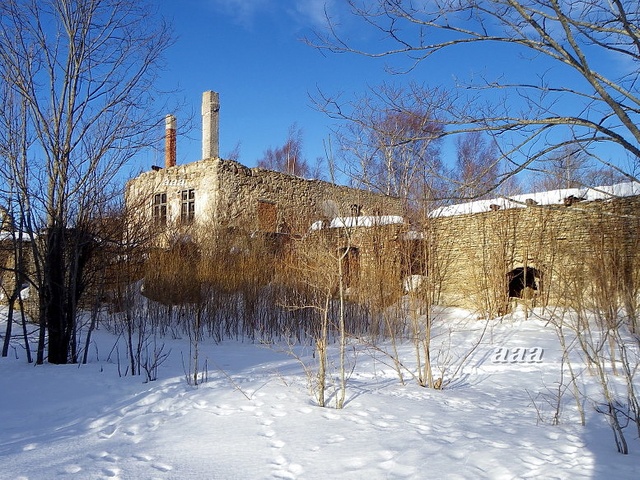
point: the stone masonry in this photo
(217, 193)
(482, 259)
(538, 252)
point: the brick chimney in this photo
(210, 124)
(170, 141)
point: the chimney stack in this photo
(210, 124)
(170, 141)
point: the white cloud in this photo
(243, 11)
(314, 12)
(303, 13)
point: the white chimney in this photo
(210, 124)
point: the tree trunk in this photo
(54, 298)
(7, 333)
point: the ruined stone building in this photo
(215, 201)
(214, 192)
(481, 255)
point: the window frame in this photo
(159, 209)
(187, 206)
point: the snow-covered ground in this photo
(255, 418)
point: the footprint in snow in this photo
(277, 444)
(132, 430)
(143, 457)
(495, 444)
(71, 469)
(382, 424)
(355, 463)
(330, 416)
(570, 449)
(108, 432)
(98, 455)
(335, 439)
(531, 460)
(386, 454)
(278, 411)
(431, 447)
(286, 470)
(200, 404)
(455, 454)
(553, 435)
(163, 467)
(111, 472)
(153, 424)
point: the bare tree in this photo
(477, 165)
(556, 41)
(570, 167)
(14, 140)
(391, 141)
(289, 157)
(84, 70)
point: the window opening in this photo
(160, 209)
(267, 216)
(188, 206)
(350, 265)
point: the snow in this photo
(255, 419)
(552, 197)
(360, 221)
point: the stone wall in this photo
(553, 244)
(297, 202)
(479, 260)
(200, 176)
(228, 194)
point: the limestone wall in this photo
(476, 257)
(556, 243)
(200, 176)
(231, 195)
(297, 202)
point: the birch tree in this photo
(391, 140)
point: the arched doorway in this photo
(522, 279)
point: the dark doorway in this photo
(521, 278)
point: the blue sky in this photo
(252, 53)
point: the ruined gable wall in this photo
(200, 176)
(482, 248)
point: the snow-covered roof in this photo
(362, 221)
(552, 197)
